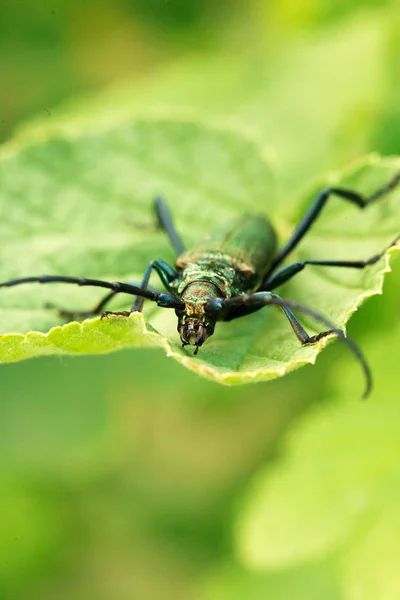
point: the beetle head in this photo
(195, 324)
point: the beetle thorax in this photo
(219, 274)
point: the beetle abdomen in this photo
(249, 242)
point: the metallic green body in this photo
(234, 259)
(229, 262)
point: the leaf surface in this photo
(81, 205)
(233, 582)
(311, 104)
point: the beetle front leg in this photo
(283, 275)
(245, 305)
(167, 275)
(315, 209)
(239, 306)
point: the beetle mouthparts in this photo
(195, 333)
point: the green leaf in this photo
(70, 206)
(370, 567)
(308, 582)
(340, 472)
(278, 89)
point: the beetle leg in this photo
(285, 273)
(83, 314)
(165, 222)
(167, 275)
(245, 305)
(239, 306)
(317, 206)
(118, 313)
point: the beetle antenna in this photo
(162, 299)
(256, 301)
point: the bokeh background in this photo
(116, 484)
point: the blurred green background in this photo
(119, 485)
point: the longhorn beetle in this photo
(231, 274)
